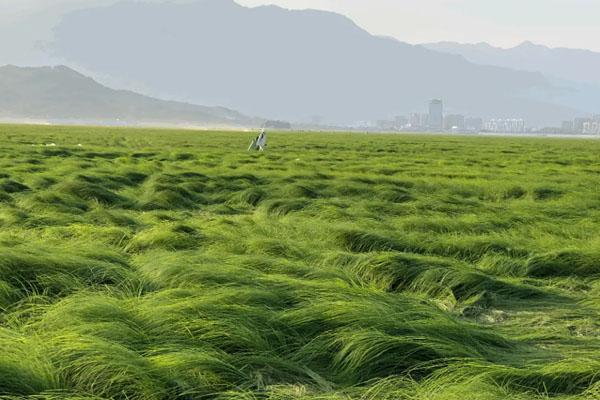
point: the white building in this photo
(511, 125)
(591, 127)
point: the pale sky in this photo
(504, 23)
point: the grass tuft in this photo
(564, 263)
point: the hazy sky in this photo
(568, 23)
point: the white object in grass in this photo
(261, 141)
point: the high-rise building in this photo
(454, 122)
(436, 115)
(578, 124)
(424, 120)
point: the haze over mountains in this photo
(568, 64)
(296, 65)
(289, 64)
(575, 73)
(59, 94)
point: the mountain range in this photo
(291, 65)
(582, 66)
(60, 94)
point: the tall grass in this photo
(156, 264)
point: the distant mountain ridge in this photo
(570, 64)
(62, 94)
(290, 65)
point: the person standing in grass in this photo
(260, 142)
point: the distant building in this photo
(591, 127)
(414, 120)
(454, 122)
(474, 124)
(424, 120)
(436, 115)
(513, 125)
(417, 121)
(578, 124)
(401, 121)
(567, 127)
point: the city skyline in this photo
(437, 120)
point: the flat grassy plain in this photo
(157, 264)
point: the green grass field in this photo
(155, 264)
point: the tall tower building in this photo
(436, 115)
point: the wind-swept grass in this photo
(156, 264)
